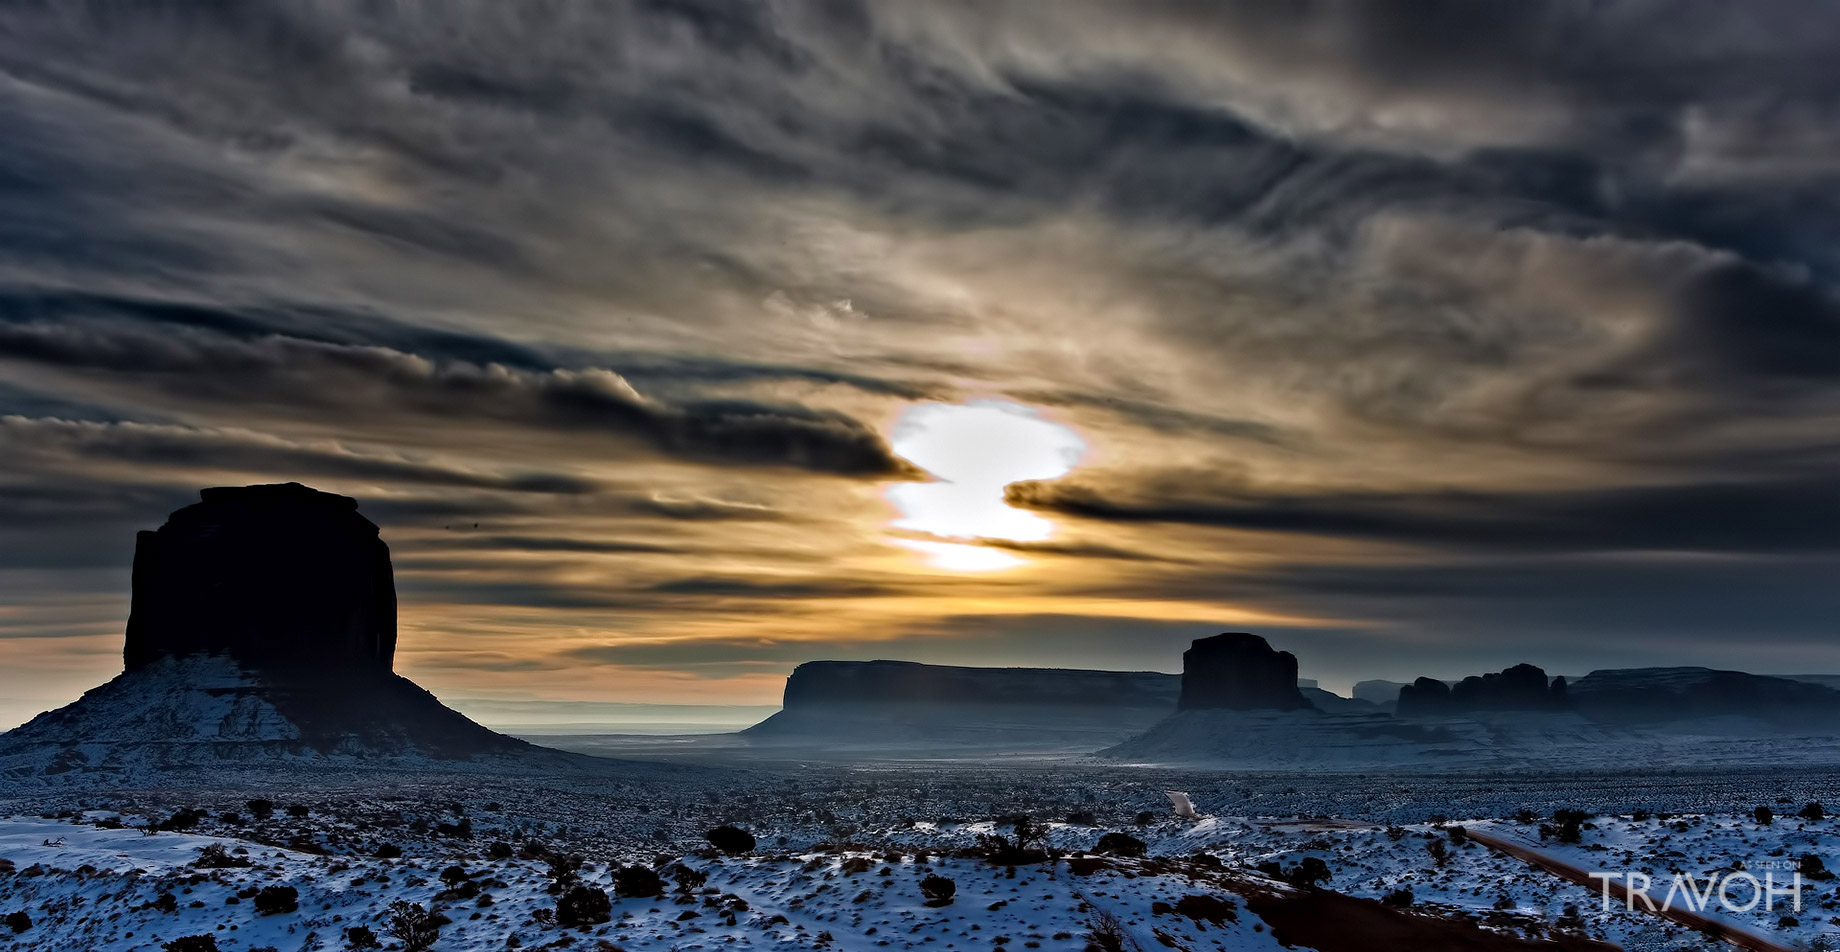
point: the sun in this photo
(975, 449)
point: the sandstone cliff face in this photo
(1239, 671)
(272, 576)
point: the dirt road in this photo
(1686, 917)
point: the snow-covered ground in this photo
(842, 855)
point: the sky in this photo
(674, 343)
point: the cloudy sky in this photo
(675, 342)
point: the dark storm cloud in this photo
(62, 441)
(752, 588)
(295, 374)
(1165, 418)
(1783, 515)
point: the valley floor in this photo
(842, 855)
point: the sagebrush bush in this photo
(938, 890)
(731, 840)
(274, 900)
(583, 906)
(637, 881)
(415, 927)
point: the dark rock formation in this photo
(1329, 702)
(1523, 687)
(273, 576)
(867, 706)
(263, 627)
(1239, 671)
(1378, 692)
(1652, 695)
(905, 682)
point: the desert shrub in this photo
(1567, 826)
(1811, 867)
(261, 809)
(388, 851)
(183, 818)
(1120, 844)
(1108, 934)
(1083, 818)
(17, 921)
(688, 879)
(1207, 908)
(731, 840)
(1398, 897)
(215, 856)
(1459, 835)
(1144, 818)
(583, 906)
(192, 943)
(637, 881)
(564, 870)
(1763, 815)
(455, 875)
(1524, 817)
(499, 850)
(462, 830)
(1440, 854)
(298, 811)
(1024, 849)
(361, 937)
(274, 900)
(1813, 811)
(166, 903)
(938, 890)
(1305, 874)
(416, 928)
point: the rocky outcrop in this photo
(276, 576)
(1523, 687)
(1654, 695)
(883, 683)
(870, 708)
(263, 627)
(1329, 702)
(1378, 692)
(1239, 671)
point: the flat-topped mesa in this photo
(890, 683)
(1239, 671)
(276, 576)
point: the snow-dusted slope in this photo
(200, 711)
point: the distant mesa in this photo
(1376, 691)
(1239, 671)
(835, 707)
(262, 630)
(1651, 695)
(1523, 687)
(887, 683)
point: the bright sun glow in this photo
(975, 450)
